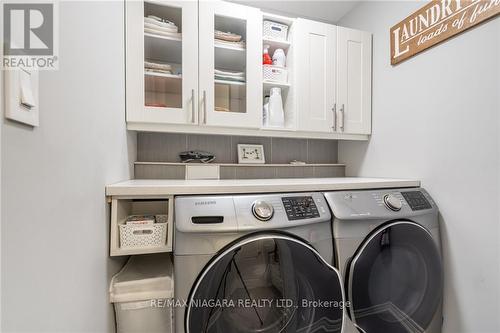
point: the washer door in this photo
(395, 279)
(266, 283)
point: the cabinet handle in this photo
(204, 107)
(334, 110)
(342, 110)
(192, 105)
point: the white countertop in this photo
(159, 187)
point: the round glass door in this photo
(266, 283)
(395, 280)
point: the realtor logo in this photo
(29, 35)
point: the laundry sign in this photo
(436, 22)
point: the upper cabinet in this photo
(162, 62)
(197, 67)
(316, 49)
(354, 68)
(230, 51)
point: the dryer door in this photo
(266, 283)
(395, 279)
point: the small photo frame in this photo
(251, 154)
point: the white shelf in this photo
(170, 76)
(232, 83)
(166, 49)
(165, 38)
(276, 44)
(270, 84)
(122, 208)
(229, 47)
(286, 129)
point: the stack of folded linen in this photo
(159, 26)
(229, 75)
(157, 67)
(228, 39)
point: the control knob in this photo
(392, 202)
(262, 210)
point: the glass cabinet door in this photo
(162, 61)
(230, 59)
(395, 280)
(266, 283)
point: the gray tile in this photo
(254, 140)
(322, 151)
(251, 172)
(294, 172)
(215, 144)
(329, 171)
(160, 147)
(285, 150)
(227, 172)
(145, 171)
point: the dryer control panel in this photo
(416, 200)
(384, 203)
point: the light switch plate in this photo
(21, 96)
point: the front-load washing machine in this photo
(255, 263)
(387, 248)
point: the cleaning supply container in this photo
(276, 113)
(142, 293)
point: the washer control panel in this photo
(416, 200)
(298, 208)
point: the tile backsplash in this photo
(165, 147)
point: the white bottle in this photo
(265, 112)
(279, 58)
(276, 115)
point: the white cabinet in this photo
(225, 100)
(334, 78)
(168, 93)
(180, 79)
(315, 80)
(354, 53)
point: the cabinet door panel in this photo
(225, 100)
(354, 80)
(166, 96)
(315, 75)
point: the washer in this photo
(387, 247)
(256, 263)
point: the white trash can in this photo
(141, 293)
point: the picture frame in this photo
(251, 154)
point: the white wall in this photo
(327, 11)
(55, 267)
(436, 118)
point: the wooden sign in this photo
(436, 22)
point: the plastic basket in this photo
(274, 74)
(274, 30)
(143, 235)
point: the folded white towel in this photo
(227, 36)
(176, 35)
(157, 65)
(160, 22)
(240, 45)
(229, 78)
(229, 73)
(163, 29)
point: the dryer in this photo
(387, 247)
(256, 263)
